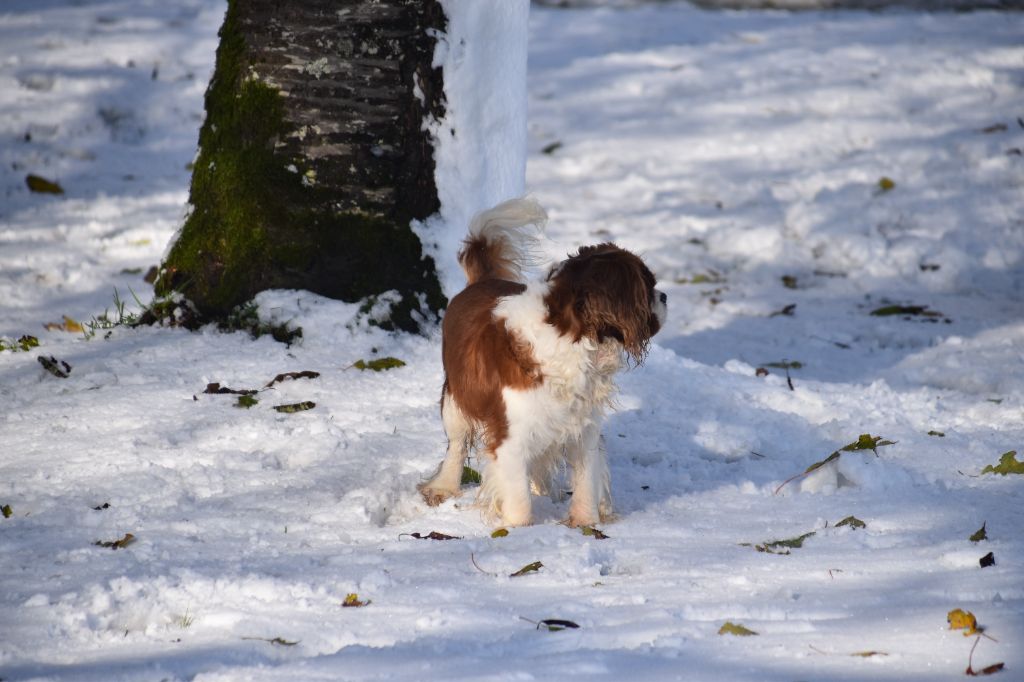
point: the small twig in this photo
(811, 469)
(790, 479)
(473, 559)
(276, 640)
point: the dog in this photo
(529, 365)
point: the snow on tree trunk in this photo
(480, 144)
(313, 158)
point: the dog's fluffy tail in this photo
(499, 243)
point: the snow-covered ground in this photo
(741, 153)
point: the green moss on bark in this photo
(260, 222)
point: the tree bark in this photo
(313, 159)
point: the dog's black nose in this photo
(663, 297)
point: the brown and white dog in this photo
(529, 366)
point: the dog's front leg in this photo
(507, 478)
(591, 496)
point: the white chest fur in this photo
(577, 377)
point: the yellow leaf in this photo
(65, 325)
(730, 628)
(962, 620)
(352, 601)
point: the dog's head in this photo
(605, 292)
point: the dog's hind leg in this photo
(448, 479)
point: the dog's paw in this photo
(434, 496)
(580, 520)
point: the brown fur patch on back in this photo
(481, 357)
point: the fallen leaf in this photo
(789, 281)
(994, 128)
(1008, 464)
(379, 364)
(470, 476)
(352, 601)
(595, 533)
(921, 310)
(987, 560)
(105, 505)
(6, 511)
(867, 442)
(433, 535)
(57, 368)
(295, 407)
(71, 325)
(868, 654)
(959, 619)
(852, 522)
(938, 434)
(216, 388)
(117, 544)
(987, 670)
(282, 642)
(500, 533)
(528, 568)
(885, 184)
(785, 364)
(246, 401)
(730, 628)
(556, 624)
(65, 325)
(979, 534)
(790, 543)
(25, 342)
(307, 374)
(42, 185)
(711, 277)
(551, 148)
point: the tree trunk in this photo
(313, 159)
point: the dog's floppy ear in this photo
(618, 310)
(603, 292)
